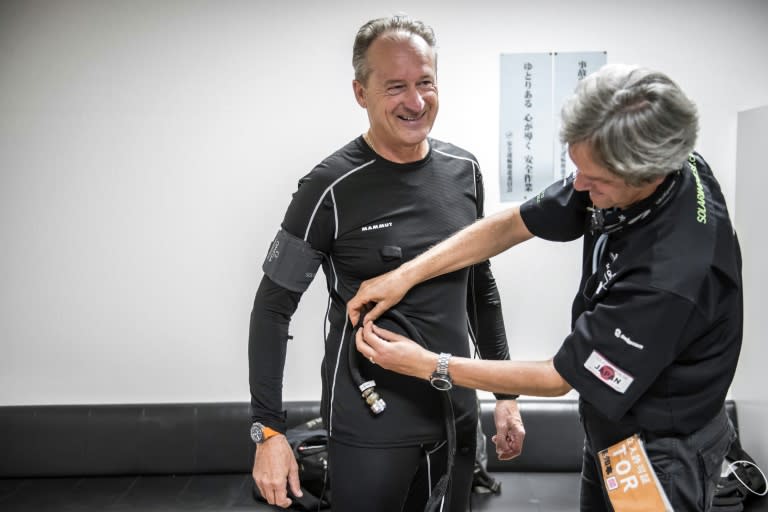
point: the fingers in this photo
(509, 442)
(377, 345)
(368, 339)
(382, 335)
(275, 492)
(510, 448)
(293, 481)
(359, 306)
(275, 471)
(510, 431)
(355, 308)
(376, 311)
(515, 448)
(367, 311)
(380, 293)
(362, 344)
(502, 445)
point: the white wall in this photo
(752, 181)
(149, 148)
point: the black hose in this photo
(367, 387)
(441, 488)
(377, 404)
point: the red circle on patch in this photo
(607, 373)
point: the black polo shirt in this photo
(657, 319)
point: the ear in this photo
(359, 91)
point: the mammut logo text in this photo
(376, 226)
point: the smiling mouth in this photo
(412, 118)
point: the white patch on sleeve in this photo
(610, 374)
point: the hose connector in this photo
(371, 397)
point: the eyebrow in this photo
(405, 80)
(601, 179)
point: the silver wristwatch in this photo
(260, 433)
(440, 379)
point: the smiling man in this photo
(657, 319)
(380, 200)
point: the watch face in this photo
(441, 383)
(257, 432)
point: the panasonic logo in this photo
(377, 226)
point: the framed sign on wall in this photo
(533, 89)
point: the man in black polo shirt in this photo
(657, 319)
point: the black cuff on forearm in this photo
(502, 396)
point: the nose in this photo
(414, 101)
(580, 183)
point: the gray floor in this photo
(520, 492)
(532, 492)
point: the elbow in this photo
(558, 385)
(556, 389)
(561, 389)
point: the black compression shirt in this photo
(657, 324)
(366, 216)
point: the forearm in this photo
(400, 354)
(268, 336)
(475, 243)
(486, 317)
(531, 378)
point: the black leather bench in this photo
(198, 456)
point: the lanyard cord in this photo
(597, 252)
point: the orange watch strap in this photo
(269, 432)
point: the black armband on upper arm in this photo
(291, 262)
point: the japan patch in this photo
(607, 372)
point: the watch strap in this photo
(442, 364)
(269, 432)
(261, 432)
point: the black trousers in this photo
(688, 467)
(399, 479)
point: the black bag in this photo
(309, 442)
(743, 483)
(482, 481)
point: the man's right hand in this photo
(275, 470)
(381, 293)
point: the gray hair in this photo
(638, 122)
(370, 31)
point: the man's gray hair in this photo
(638, 122)
(370, 31)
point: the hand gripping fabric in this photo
(309, 442)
